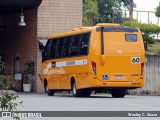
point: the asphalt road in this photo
(100, 102)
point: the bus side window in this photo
(60, 46)
(53, 50)
(67, 46)
(45, 54)
(75, 45)
(84, 44)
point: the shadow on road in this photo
(92, 96)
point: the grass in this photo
(154, 50)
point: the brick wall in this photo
(56, 16)
(21, 41)
(53, 16)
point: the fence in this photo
(152, 77)
(143, 16)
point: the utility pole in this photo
(131, 10)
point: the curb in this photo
(9, 91)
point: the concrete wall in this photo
(152, 76)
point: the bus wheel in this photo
(74, 90)
(50, 92)
(76, 93)
(45, 86)
(118, 93)
(81, 92)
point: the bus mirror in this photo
(41, 47)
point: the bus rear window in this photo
(117, 29)
(131, 37)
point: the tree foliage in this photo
(103, 11)
(90, 12)
(157, 13)
(148, 31)
(6, 99)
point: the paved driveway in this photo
(101, 102)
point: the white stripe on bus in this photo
(66, 63)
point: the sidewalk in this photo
(10, 92)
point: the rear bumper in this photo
(122, 84)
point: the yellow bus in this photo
(102, 58)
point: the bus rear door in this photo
(122, 57)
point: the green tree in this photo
(103, 11)
(126, 2)
(148, 31)
(90, 12)
(157, 13)
(110, 11)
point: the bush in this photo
(29, 67)
(7, 100)
(158, 52)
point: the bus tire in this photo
(118, 93)
(50, 92)
(81, 92)
(76, 93)
(45, 86)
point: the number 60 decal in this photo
(135, 60)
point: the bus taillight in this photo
(94, 67)
(142, 68)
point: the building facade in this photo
(20, 44)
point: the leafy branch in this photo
(6, 99)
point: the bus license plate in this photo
(118, 77)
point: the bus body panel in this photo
(116, 63)
(113, 69)
(59, 76)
